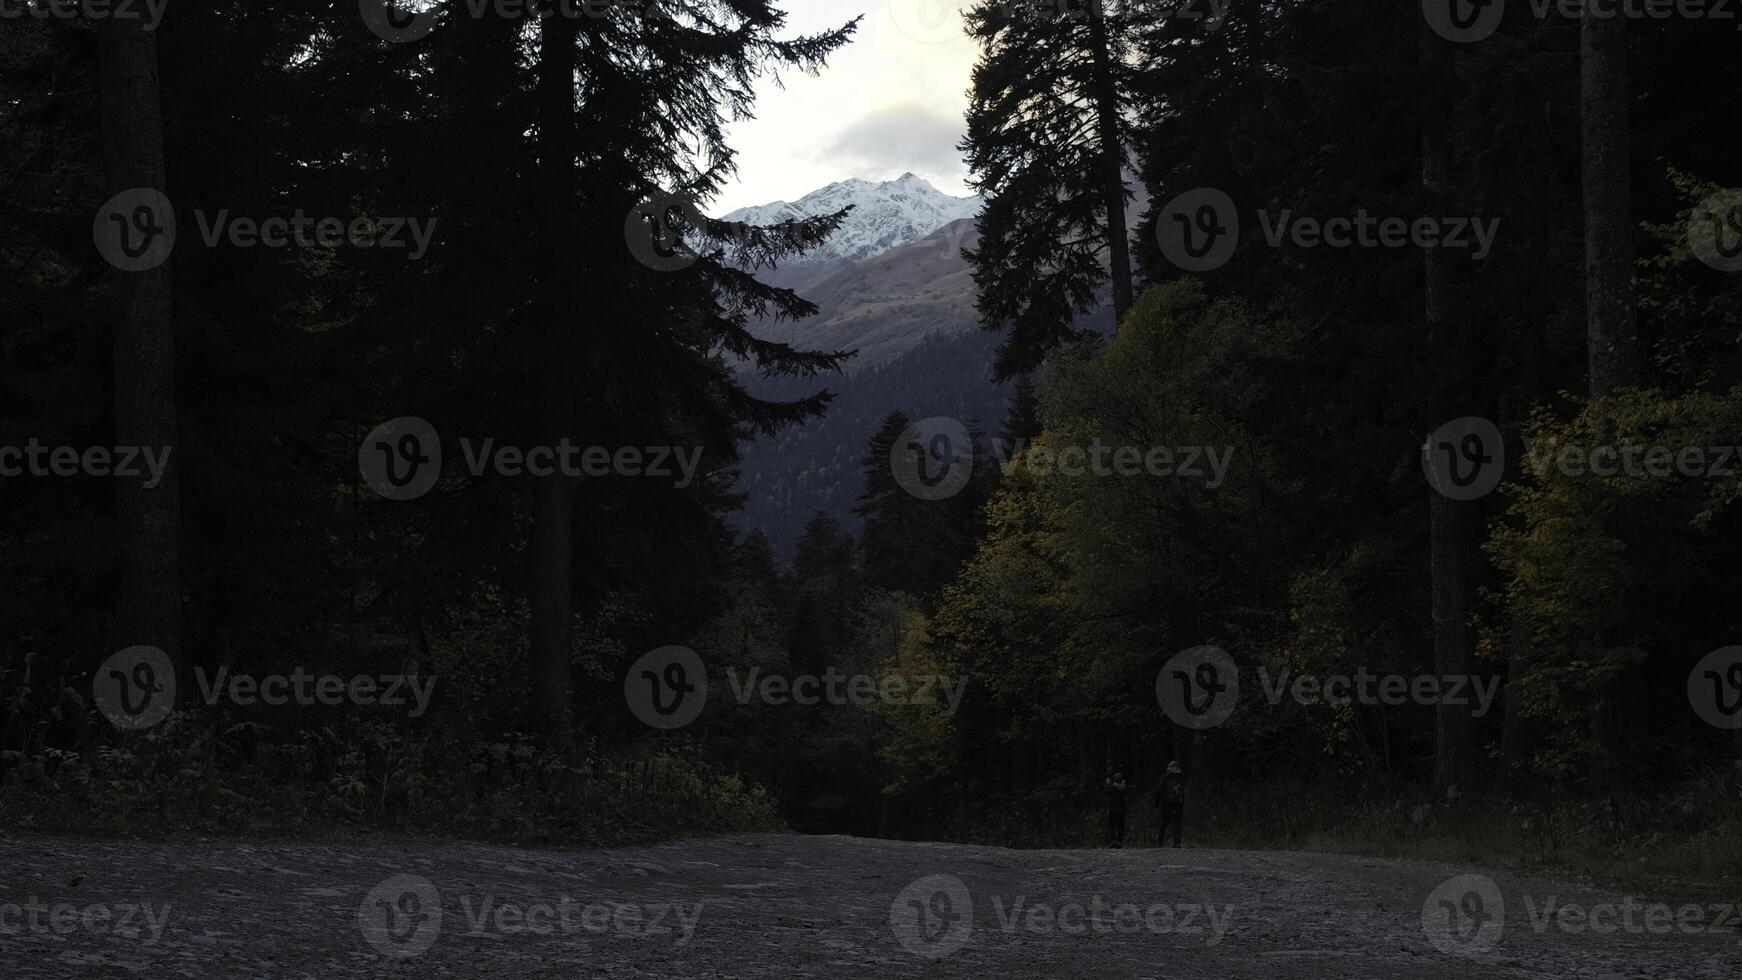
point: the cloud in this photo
(888, 142)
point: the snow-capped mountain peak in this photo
(885, 215)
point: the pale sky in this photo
(890, 101)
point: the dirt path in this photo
(788, 907)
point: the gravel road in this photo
(790, 906)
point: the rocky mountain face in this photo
(892, 285)
(885, 215)
(884, 305)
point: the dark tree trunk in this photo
(1610, 323)
(148, 526)
(1106, 95)
(553, 502)
(1611, 327)
(1453, 646)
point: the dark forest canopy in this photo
(1291, 378)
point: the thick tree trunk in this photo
(1106, 95)
(1610, 322)
(148, 525)
(1611, 326)
(1453, 646)
(553, 505)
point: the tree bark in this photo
(148, 521)
(1453, 646)
(1106, 95)
(553, 505)
(1610, 320)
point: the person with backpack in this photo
(1116, 790)
(1170, 800)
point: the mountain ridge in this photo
(885, 215)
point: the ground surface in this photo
(792, 907)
